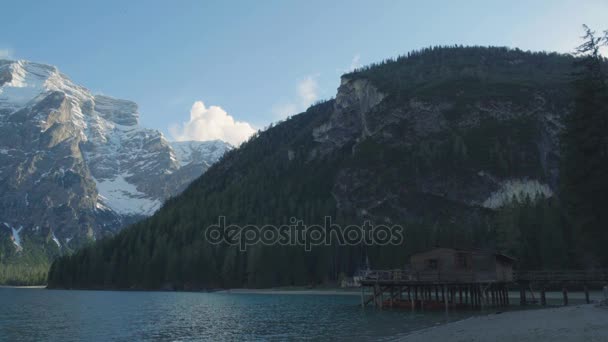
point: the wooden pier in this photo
(540, 281)
(432, 290)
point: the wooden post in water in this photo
(586, 293)
(543, 296)
(422, 297)
(413, 300)
(475, 296)
(373, 299)
(501, 295)
(565, 294)
(472, 295)
(363, 297)
(522, 295)
(445, 298)
(378, 296)
(501, 298)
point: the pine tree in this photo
(584, 185)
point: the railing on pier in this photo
(583, 276)
(430, 276)
(563, 276)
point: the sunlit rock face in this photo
(75, 166)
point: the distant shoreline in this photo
(22, 286)
(295, 291)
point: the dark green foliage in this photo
(24, 274)
(465, 73)
(584, 185)
(536, 234)
(28, 266)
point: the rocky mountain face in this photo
(439, 141)
(75, 166)
(517, 148)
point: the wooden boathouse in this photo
(456, 278)
(442, 278)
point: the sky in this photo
(202, 70)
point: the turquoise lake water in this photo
(55, 315)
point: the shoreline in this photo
(585, 322)
(553, 297)
(22, 286)
(294, 291)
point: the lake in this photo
(56, 315)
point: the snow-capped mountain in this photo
(75, 166)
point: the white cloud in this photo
(355, 63)
(6, 53)
(210, 124)
(307, 92)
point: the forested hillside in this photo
(459, 145)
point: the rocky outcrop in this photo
(478, 152)
(349, 121)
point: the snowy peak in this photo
(122, 112)
(78, 164)
(199, 152)
(22, 82)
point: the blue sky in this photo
(260, 60)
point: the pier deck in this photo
(457, 290)
(433, 290)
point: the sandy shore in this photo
(296, 291)
(571, 323)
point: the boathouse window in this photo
(432, 264)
